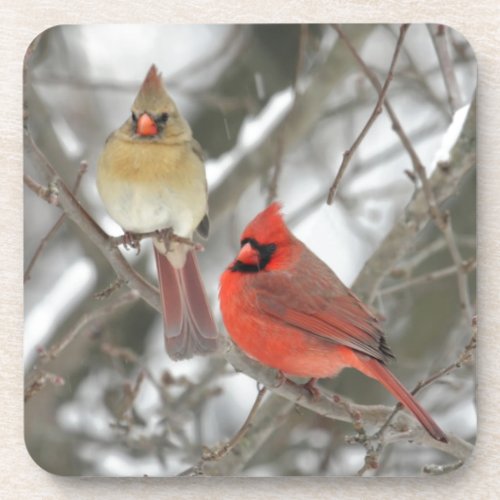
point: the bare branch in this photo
(40, 381)
(49, 194)
(56, 226)
(304, 113)
(373, 415)
(438, 35)
(428, 278)
(465, 357)
(220, 452)
(467, 144)
(38, 377)
(78, 214)
(273, 412)
(371, 120)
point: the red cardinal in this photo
(286, 308)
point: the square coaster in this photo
(244, 244)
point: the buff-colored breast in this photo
(151, 185)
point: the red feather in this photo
(294, 314)
(189, 326)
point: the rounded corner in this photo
(34, 41)
(474, 53)
(34, 458)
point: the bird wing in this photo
(197, 149)
(319, 304)
(204, 226)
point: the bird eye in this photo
(134, 117)
(163, 118)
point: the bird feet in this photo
(165, 236)
(131, 240)
(310, 386)
(280, 379)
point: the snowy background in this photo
(235, 84)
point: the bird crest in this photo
(268, 226)
(153, 96)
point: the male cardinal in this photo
(151, 177)
(286, 308)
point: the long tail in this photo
(189, 325)
(378, 371)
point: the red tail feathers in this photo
(189, 325)
(378, 371)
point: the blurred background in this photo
(274, 108)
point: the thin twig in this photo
(56, 226)
(373, 415)
(40, 381)
(111, 288)
(405, 427)
(371, 120)
(49, 194)
(464, 357)
(361, 436)
(87, 224)
(301, 117)
(450, 81)
(312, 204)
(273, 412)
(406, 268)
(427, 278)
(218, 453)
(38, 377)
(280, 140)
(419, 77)
(130, 393)
(442, 220)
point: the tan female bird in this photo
(151, 177)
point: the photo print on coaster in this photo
(249, 250)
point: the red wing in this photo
(323, 307)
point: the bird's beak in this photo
(146, 126)
(249, 255)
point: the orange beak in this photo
(146, 125)
(249, 255)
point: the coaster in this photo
(250, 250)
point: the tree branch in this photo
(443, 184)
(304, 113)
(371, 120)
(86, 223)
(438, 36)
(441, 220)
(38, 377)
(58, 223)
(404, 428)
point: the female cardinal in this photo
(151, 177)
(286, 308)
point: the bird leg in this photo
(280, 379)
(310, 386)
(165, 236)
(131, 240)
